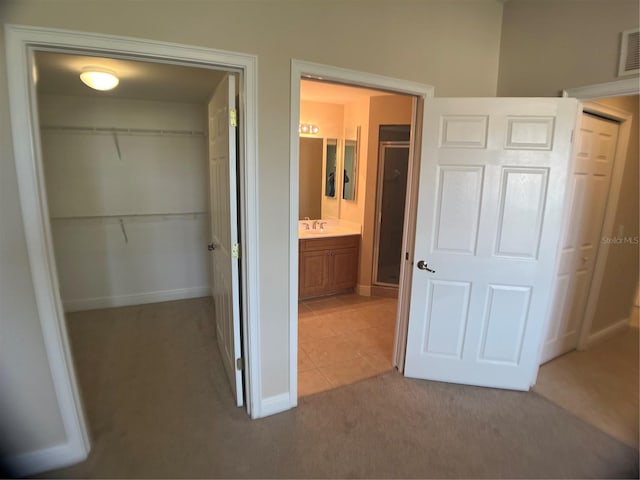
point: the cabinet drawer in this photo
(329, 243)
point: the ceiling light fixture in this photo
(99, 78)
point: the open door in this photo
(224, 229)
(490, 206)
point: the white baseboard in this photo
(606, 332)
(51, 458)
(134, 299)
(275, 404)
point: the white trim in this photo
(301, 69)
(95, 303)
(608, 225)
(38, 461)
(617, 88)
(21, 41)
(408, 236)
(276, 404)
(607, 332)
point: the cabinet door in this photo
(345, 268)
(314, 275)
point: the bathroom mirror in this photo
(350, 164)
(348, 177)
(311, 180)
(331, 163)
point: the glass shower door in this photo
(392, 188)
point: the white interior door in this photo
(596, 144)
(492, 186)
(224, 229)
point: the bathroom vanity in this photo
(327, 264)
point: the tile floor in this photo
(343, 339)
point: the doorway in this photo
(350, 334)
(584, 284)
(35, 209)
(131, 210)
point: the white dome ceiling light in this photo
(99, 78)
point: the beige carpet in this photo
(159, 405)
(599, 385)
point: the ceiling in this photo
(315, 91)
(59, 73)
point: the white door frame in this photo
(21, 42)
(587, 94)
(299, 70)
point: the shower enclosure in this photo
(393, 168)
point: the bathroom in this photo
(350, 231)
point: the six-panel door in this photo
(492, 181)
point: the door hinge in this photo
(235, 250)
(233, 117)
(240, 363)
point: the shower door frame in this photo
(382, 147)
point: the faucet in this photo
(315, 224)
(322, 224)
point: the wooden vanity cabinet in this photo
(327, 265)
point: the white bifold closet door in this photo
(595, 151)
(492, 189)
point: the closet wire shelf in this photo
(132, 216)
(122, 131)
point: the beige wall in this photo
(438, 42)
(621, 274)
(384, 110)
(551, 45)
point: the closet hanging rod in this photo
(131, 215)
(123, 131)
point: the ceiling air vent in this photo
(629, 52)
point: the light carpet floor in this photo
(599, 385)
(159, 406)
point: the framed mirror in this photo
(350, 164)
(331, 163)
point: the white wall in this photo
(433, 42)
(128, 210)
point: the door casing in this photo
(300, 70)
(21, 42)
